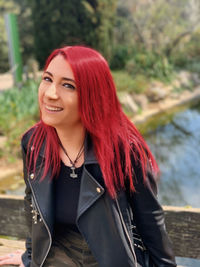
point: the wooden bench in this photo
(183, 226)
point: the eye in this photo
(69, 85)
(47, 79)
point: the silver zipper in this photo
(126, 231)
(44, 223)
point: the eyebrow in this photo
(63, 78)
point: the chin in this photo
(50, 122)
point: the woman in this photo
(90, 177)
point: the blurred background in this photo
(153, 49)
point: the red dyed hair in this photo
(115, 138)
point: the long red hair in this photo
(115, 138)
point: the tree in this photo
(160, 25)
(103, 18)
(57, 23)
(159, 34)
(25, 30)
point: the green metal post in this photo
(14, 48)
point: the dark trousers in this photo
(70, 250)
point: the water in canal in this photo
(176, 147)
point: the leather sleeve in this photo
(26, 257)
(149, 217)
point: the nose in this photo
(51, 92)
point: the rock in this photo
(185, 78)
(128, 102)
(156, 92)
(176, 83)
(141, 100)
(195, 79)
(169, 89)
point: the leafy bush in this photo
(19, 110)
(187, 54)
(193, 66)
(182, 61)
(151, 65)
(119, 57)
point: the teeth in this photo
(53, 108)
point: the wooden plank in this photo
(12, 220)
(182, 225)
(8, 246)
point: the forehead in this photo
(60, 67)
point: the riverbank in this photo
(165, 105)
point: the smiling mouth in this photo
(53, 109)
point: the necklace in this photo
(73, 174)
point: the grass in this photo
(127, 83)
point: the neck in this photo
(72, 140)
(72, 137)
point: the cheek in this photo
(75, 105)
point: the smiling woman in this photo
(90, 197)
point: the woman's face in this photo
(58, 98)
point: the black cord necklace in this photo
(73, 174)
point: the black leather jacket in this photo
(107, 234)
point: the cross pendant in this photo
(73, 174)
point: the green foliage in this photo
(25, 25)
(5, 7)
(119, 57)
(193, 66)
(57, 23)
(19, 8)
(45, 25)
(151, 65)
(187, 56)
(105, 15)
(159, 25)
(129, 83)
(19, 110)
(164, 35)
(123, 33)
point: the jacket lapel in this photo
(90, 191)
(92, 186)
